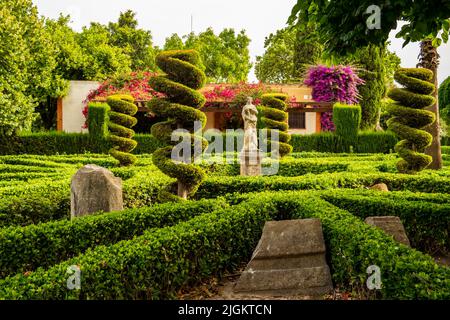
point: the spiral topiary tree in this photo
(121, 120)
(274, 117)
(409, 118)
(182, 79)
(444, 100)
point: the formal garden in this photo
(185, 223)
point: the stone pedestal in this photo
(289, 260)
(251, 163)
(95, 189)
(392, 225)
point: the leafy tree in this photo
(26, 65)
(103, 59)
(137, 43)
(225, 57)
(277, 63)
(343, 27)
(174, 42)
(308, 49)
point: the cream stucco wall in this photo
(72, 105)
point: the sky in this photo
(258, 17)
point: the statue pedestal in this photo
(250, 163)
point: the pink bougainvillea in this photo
(235, 95)
(326, 121)
(334, 84)
(134, 84)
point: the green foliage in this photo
(46, 244)
(409, 119)
(158, 263)
(103, 60)
(276, 65)
(372, 60)
(98, 120)
(368, 142)
(423, 19)
(182, 79)
(217, 186)
(26, 64)
(274, 117)
(425, 221)
(308, 49)
(122, 110)
(225, 57)
(23, 202)
(347, 119)
(136, 43)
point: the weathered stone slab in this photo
(392, 225)
(289, 260)
(95, 189)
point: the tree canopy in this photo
(226, 57)
(343, 24)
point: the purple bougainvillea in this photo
(334, 84)
(326, 120)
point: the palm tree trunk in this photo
(429, 59)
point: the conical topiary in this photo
(121, 120)
(182, 79)
(409, 118)
(274, 117)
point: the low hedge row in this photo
(51, 143)
(27, 248)
(25, 204)
(427, 224)
(215, 186)
(286, 167)
(160, 262)
(366, 142)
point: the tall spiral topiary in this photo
(444, 100)
(274, 116)
(121, 120)
(182, 79)
(409, 118)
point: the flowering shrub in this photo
(134, 84)
(326, 120)
(334, 84)
(235, 95)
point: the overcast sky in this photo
(258, 17)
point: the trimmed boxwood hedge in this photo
(25, 204)
(52, 143)
(426, 223)
(27, 248)
(215, 186)
(367, 142)
(162, 261)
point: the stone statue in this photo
(249, 114)
(250, 155)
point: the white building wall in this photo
(72, 105)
